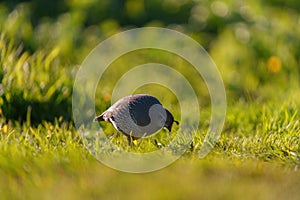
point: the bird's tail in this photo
(99, 118)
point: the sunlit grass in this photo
(36, 161)
(257, 155)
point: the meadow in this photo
(255, 46)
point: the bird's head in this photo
(169, 121)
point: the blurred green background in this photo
(255, 44)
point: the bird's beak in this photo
(169, 128)
(171, 125)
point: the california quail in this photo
(138, 116)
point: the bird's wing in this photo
(139, 107)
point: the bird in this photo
(137, 116)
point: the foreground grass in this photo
(256, 157)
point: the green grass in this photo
(258, 153)
(257, 156)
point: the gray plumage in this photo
(138, 116)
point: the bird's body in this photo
(138, 116)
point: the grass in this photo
(257, 156)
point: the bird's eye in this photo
(112, 118)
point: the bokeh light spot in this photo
(274, 64)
